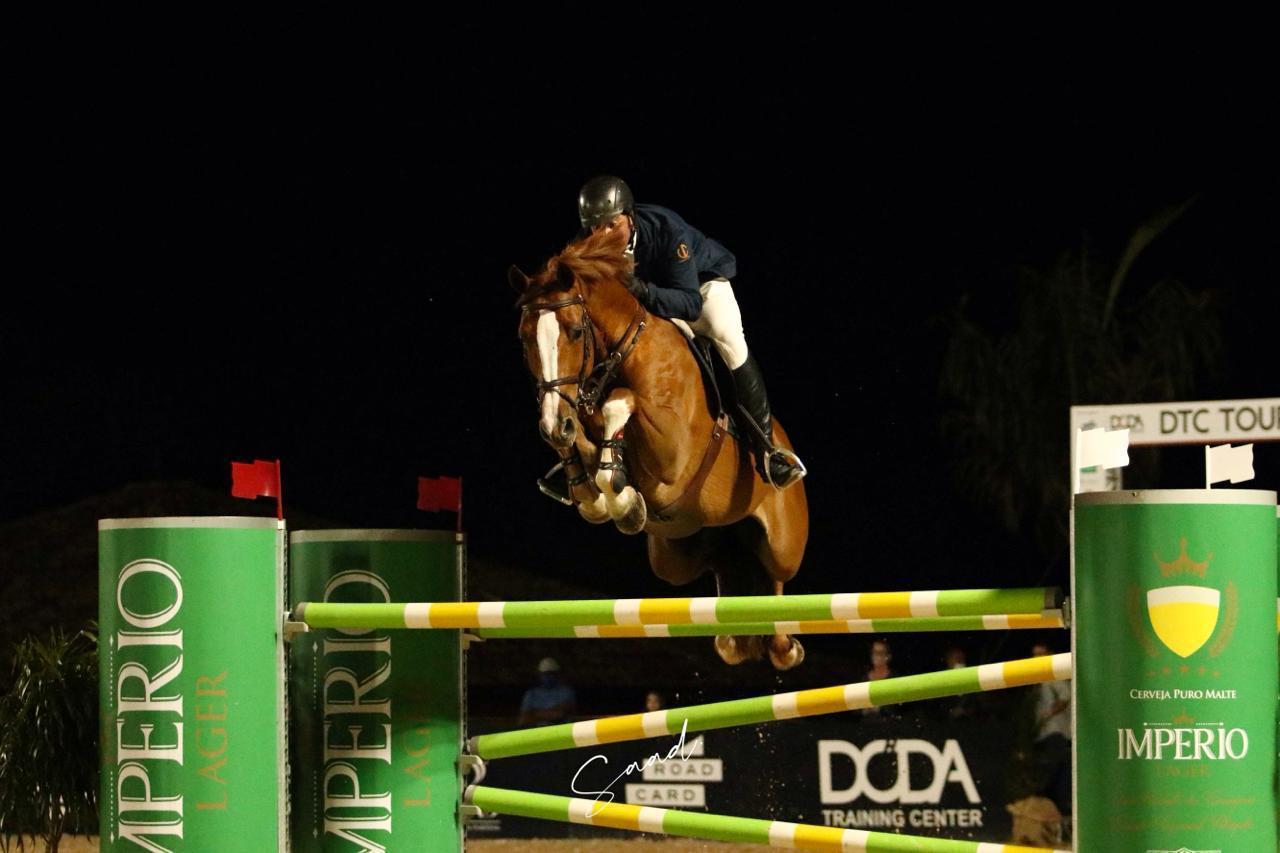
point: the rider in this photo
(681, 273)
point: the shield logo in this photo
(1183, 616)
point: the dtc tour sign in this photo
(1200, 422)
(1205, 422)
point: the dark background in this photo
(267, 242)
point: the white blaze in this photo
(549, 354)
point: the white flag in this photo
(1099, 447)
(1225, 462)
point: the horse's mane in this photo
(593, 258)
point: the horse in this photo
(622, 402)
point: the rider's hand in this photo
(639, 288)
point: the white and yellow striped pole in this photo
(681, 611)
(1049, 619)
(780, 706)
(714, 827)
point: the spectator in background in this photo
(956, 707)
(653, 701)
(551, 701)
(879, 669)
(1052, 749)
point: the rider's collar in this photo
(631, 243)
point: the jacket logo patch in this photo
(682, 252)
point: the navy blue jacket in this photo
(674, 258)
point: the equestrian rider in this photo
(681, 273)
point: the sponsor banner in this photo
(921, 773)
(374, 735)
(1175, 644)
(191, 700)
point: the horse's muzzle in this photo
(564, 434)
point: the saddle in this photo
(715, 373)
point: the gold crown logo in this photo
(1183, 719)
(1184, 565)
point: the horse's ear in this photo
(564, 276)
(518, 280)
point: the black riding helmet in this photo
(603, 198)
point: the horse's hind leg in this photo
(626, 505)
(776, 537)
(738, 573)
(681, 561)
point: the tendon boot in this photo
(777, 466)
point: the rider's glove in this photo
(639, 288)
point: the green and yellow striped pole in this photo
(713, 827)
(680, 611)
(1049, 619)
(780, 706)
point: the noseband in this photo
(592, 382)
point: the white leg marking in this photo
(617, 411)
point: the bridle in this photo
(595, 380)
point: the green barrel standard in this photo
(375, 732)
(191, 700)
(1175, 652)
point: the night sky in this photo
(280, 245)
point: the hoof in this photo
(735, 650)
(793, 656)
(595, 511)
(729, 650)
(635, 518)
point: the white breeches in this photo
(721, 321)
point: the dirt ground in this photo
(607, 845)
(523, 845)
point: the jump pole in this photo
(714, 827)
(766, 709)
(1048, 620)
(680, 611)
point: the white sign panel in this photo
(1205, 422)
(693, 770)
(667, 796)
(1200, 422)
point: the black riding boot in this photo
(777, 466)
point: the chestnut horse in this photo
(622, 401)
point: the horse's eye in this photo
(575, 333)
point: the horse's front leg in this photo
(588, 499)
(626, 505)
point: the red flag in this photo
(440, 494)
(258, 479)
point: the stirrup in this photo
(796, 474)
(549, 488)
